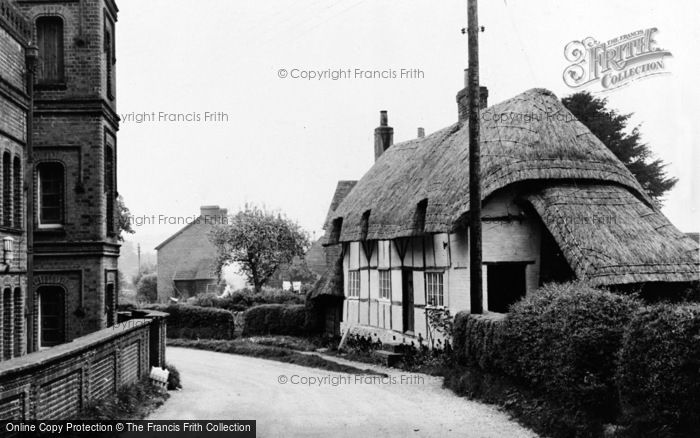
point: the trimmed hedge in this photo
(276, 319)
(477, 339)
(561, 341)
(659, 373)
(193, 322)
(245, 299)
(564, 339)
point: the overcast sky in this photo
(287, 141)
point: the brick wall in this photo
(57, 383)
(13, 129)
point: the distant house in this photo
(292, 275)
(557, 205)
(186, 260)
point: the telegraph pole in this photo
(138, 246)
(476, 281)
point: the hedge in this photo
(477, 339)
(244, 299)
(659, 372)
(564, 339)
(192, 322)
(276, 319)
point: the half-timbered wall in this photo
(509, 235)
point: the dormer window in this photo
(49, 35)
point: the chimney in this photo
(212, 214)
(463, 98)
(421, 133)
(383, 135)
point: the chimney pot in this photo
(421, 133)
(383, 135)
(383, 118)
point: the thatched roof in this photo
(540, 140)
(610, 237)
(331, 282)
(342, 190)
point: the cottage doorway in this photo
(505, 285)
(51, 316)
(407, 300)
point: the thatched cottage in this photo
(557, 205)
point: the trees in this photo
(258, 242)
(123, 219)
(608, 125)
(147, 287)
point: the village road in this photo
(293, 401)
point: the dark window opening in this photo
(109, 189)
(110, 57)
(6, 190)
(19, 321)
(7, 324)
(17, 195)
(336, 228)
(110, 305)
(52, 315)
(419, 219)
(505, 285)
(49, 32)
(51, 189)
(364, 225)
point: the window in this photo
(110, 55)
(109, 188)
(49, 35)
(50, 188)
(385, 285)
(7, 324)
(19, 322)
(6, 190)
(433, 287)
(17, 195)
(354, 284)
(52, 316)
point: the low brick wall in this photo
(57, 383)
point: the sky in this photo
(284, 142)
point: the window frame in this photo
(435, 289)
(61, 196)
(385, 284)
(354, 284)
(42, 77)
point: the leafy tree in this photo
(609, 126)
(146, 268)
(147, 287)
(259, 242)
(124, 219)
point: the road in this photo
(224, 386)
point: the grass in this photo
(281, 349)
(132, 402)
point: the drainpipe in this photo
(31, 58)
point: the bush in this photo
(564, 339)
(276, 319)
(660, 368)
(193, 322)
(147, 288)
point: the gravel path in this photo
(318, 403)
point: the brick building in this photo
(58, 125)
(186, 259)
